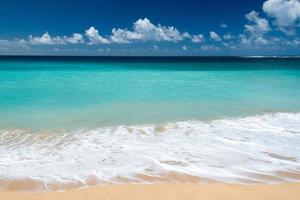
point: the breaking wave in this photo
(254, 149)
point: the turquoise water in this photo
(76, 122)
(65, 94)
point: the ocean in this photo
(81, 121)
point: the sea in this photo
(71, 122)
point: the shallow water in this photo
(67, 94)
(71, 122)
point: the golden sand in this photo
(205, 191)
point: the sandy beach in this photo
(159, 100)
(208, 191)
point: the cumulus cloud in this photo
(157, 33)
(124, 36)
(75, 38)
(255, 31)
(145, 30)
(258, 25)
(94, 37)
(47, 39)
(254, 41)
(244, 40)
(214, 36)
(261, 41)
(285, 12)
(197, 38)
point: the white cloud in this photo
(144, 30)
(93, 35)
(244, 40)
(249, 42)
(47, 39)
(253, 37)
(197, 38)
(157, 33)
(285, 12)
(16, 44)
(75, 38)
(214, 36)
(261, 41)
(257, 41)
(259, 25)
(256, 28)
(124, 36)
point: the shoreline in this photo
(169, 191)
(233, 150)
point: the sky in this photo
(150, 27)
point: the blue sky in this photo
(132, 27)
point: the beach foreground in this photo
(208, 191)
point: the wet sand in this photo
(207, 191)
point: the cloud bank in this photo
(261, 30)
(47, 39)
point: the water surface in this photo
(78, 121)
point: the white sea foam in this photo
(251, 149)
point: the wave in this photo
(254, 149)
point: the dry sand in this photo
(206, 191)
